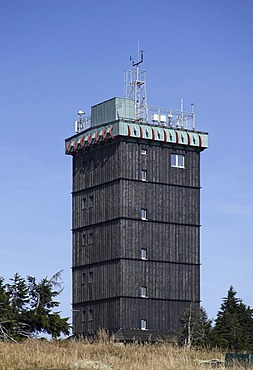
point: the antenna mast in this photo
(136, 88)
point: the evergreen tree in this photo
(26, 308)
(196, 326)
(233, 328)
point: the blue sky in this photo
(59, 56)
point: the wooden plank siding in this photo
(108, 235)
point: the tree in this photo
(233, 328)
(27, 308)
(196, 326)
(41, 317)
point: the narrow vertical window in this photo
(143, 175)
(143, 324)
(143, 291)
(143, 214)
(90, 320)
(91, 201)
(90, 315)
(91, 277)
(83, 203)
(90, 238)
(91, 164)
(143, 254)
(83, 278)
(83, 315)
(83, 239)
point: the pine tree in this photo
(233, 325)
(27, 308)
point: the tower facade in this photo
(135, 220)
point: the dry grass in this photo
(36, 354)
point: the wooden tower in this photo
(136, 219)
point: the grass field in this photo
(37, 354)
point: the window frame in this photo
(144, 214)
(143, 324)
(143, 291)
(176, 163)
(143, 253)
(143, 175)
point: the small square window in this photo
(143, 254)
(143, 214)
(143, 324)
(143, 291)
(177, 160)
(143, 175)
(143, 151)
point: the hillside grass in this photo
(37, 354)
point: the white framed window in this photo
(143, 291)
(143, 151)
(143, 175)
(143, 324)
(143, 254)
(177, 160)
(143, 214)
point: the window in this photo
(143, 175)
(83, 316)
(90, 238)
(177, 160)
(91, 164)
(143, 324)
(91, 201)
(143, 254)
(83, 203)
(91, 277)
(143, 214)
(83, 242)
(90, 320)
(83, 278)
(143, 151)
(143, 291)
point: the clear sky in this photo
(59, 56)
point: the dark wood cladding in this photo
(109, 234)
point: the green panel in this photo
(112, 110)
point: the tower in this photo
(135, 216)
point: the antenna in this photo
(79, 123)
(136, 87)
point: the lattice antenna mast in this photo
(136, 89)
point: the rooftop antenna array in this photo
(135, 88)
